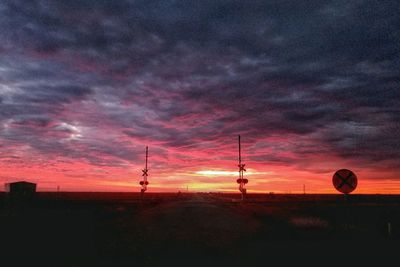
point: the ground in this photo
(121, 229)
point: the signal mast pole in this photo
(241, 181)
(144, 182)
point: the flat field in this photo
(121, 229)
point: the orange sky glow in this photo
(216, 177)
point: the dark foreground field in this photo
(117, 229)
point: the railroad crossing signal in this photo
(345, 181)
(144, 182)
(241, 181)
(241, 167)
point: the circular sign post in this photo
(345, 181)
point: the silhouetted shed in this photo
(21, 188)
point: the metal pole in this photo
(240, 152)
(147, 153)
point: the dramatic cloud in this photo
(312, 86)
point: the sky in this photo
(311, 86)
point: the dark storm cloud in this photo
(51, 94)
(184, 72)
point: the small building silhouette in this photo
(21, 188)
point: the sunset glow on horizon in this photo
(85, 87)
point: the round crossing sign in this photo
(345, 181)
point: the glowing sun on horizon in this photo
(225, 173)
